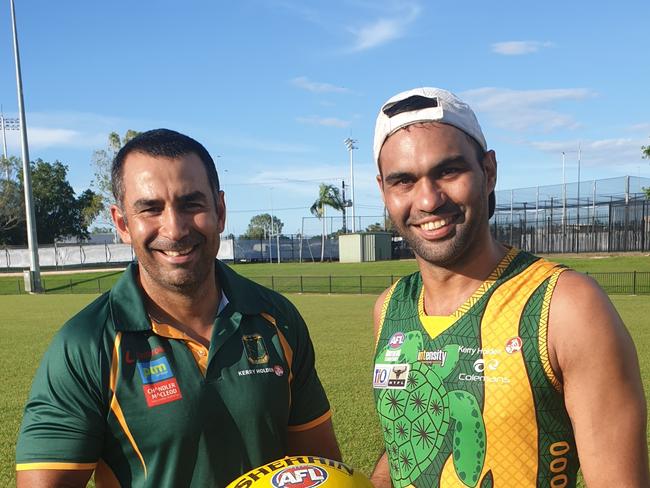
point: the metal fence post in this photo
(360, 284)
(634, 283)
(272, 283)
(301, 288)
(330, 284)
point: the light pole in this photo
(32, 240)
(7, 124)
(350, 144)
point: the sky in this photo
(272, 88)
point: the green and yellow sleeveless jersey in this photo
(470, 399)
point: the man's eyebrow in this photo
(192, 197)
(142, 203)
(453, 159)
(397, 176)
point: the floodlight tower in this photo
(7, 124)
(350, 144)
(32, 241)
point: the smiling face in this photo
(170, 217)
(436, 191)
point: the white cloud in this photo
(521, 110)
(385, 29)
(517, 48)
(607, 153)
(324, 121)
(47, 137)
(642, 127)
(317, 86)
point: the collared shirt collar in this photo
(127, 300)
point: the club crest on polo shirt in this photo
(255, 349)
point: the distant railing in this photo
(617, 283)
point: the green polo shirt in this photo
(144, 405)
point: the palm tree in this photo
(328, 196)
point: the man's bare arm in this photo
(381, 474)
(53, 478)
(317, 441)
(594, 354)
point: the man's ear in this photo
(220, 202)
(490, 168)
(380, 183)
(119, 219)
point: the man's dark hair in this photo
(161, 143)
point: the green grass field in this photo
(340, 326)
(367, 278)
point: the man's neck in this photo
(192, 313)
(446, 288)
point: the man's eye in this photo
(193, 205)
(450, 171)
(404, 181)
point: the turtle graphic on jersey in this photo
(416, 419)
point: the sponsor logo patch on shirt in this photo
(160, 386)
(162, 392)
(396, 340)
(156, 370)
(432, 357)
(514, 345)
(391, 376)
(392, 355)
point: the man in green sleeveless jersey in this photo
(493, 368)
(185, 373)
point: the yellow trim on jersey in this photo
(437, 324)
(543, 331)
(198, 350)
(310, 425)
(115, 405)
(55, 465)
(384, 309)
(269, 318)
(512, 437)
(286, 348)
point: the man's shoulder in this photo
(89, 323)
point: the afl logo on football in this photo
(303, 476)
(396, 340)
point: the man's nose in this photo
(174, 224)
(429, 195)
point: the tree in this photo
(645, 151)
(328, 196)
(262, 225)
(12, 205)
(102, 161)
(376, 227)
(90, 206)
(58, 212)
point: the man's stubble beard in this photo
(452, 249)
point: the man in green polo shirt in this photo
(184, 374)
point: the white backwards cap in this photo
(425, 104)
